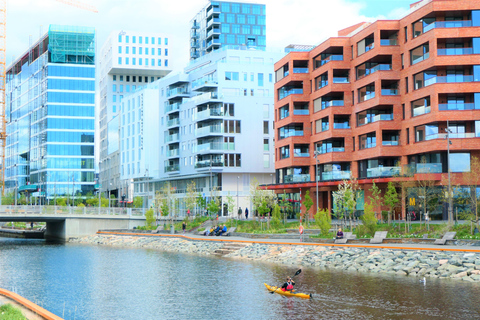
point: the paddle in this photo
(296, 274)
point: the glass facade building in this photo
(221, 24)
(50, 111)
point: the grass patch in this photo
(9, 312)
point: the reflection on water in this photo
(83, 282)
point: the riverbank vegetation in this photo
(9, 312)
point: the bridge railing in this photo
(62, 210)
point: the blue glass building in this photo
(50, 112)
(227, 23)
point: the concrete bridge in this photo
(70, 222)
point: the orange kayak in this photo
(288, 293)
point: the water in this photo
(91, 282)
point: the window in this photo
(140, 61)
(119, 38)
(406, 84)
(114, 88)
(134, 50)
(134, 61)
(146, 51)
(265, 127)
(459, 162)
(421, 106)
(159, 51)
(426, 132)
(159, 41)
(408, 136)
(266, 146)
(285, 152)
(146, 62)
(240, 18)
(230, 18)
(140, 50)
(127, 50)
(166, 52)
(134, 39)
(368, 140)
(166, 63)
(251, 19)
(420, 53)
(233, 76)
(235, 28)
(260, 79)
(153, 62)
(119, 49)
(159, 62)
(166, 41)
(403, 63)
(126, 39)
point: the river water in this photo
(93, 282)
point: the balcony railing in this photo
(421, 110)
(204, 97)
(388, 42)
(420, 58)
(331, 149)
(172, 168)
(213, 42)
(341, 125)
(449, 79)
(301, 112)
(378, 117)
(300, 70)
(332, 103)
(212, 21)
(322, 83)
(172, 137)
(383, 172)
(370, 47)
(296, 178)
(209, 130)
(389, 143)
(378, 67)
(428, 168)
(325, 126)
(368, 96)
(292, 133)
(213, 31)
(176, 91)
(172, 107)
(464, 135)
(301, 154)
(172, 153)
(336, 175)
(457, 106)
(286, 93)
(212, 146)
(448, 24)
(340, 80)
(454, 51)
(389, 92)
(206, 114)
(208, 163)
(333, 57)
(173, 122)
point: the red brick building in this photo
(377, 99)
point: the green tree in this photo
(230, 203)
(323, 221)
(285, 205)
(276, 216)
(137, 202)
(390, 199)
(93, 202)
(202, 203)
(8, 199)
(375, 197)
(191, 197)
(368, 218)
(149, 217)
(308, 203)
(62, 202)
(213, 205)
(262, 200)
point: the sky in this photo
(288, 21)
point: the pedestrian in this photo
(184, 226)
(246, 213)
(188, 213)
(300, 230)
(239, 213)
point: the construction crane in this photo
(3, 74)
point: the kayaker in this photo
(287, 286)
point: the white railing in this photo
(67, 210)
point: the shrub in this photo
(149, 217)
(80, 205)
(368, 218)
(323, 221)
(276, 216)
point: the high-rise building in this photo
(211, 124)
(128, 61)
(50, 111)
(222, 23)
(377, 104)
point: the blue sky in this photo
(288, 21)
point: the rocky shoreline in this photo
(417, 263)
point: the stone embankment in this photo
(436, 264)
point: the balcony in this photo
(454, 51)
(301, 112)
(173, 122)
(177, 91)
(214, 31)
(332, 103)
(172, 138)
(173, 153)
(206, 97)
(390, 143)
(367, 96)
(209, 130)
(418, 111)
(341, 125)
(217, 147)
(448, 24)
(339, 80)
(195, 25)
(331, 149)
(213, 10)
(292, 178)
(172, 107)
(172, 168)
(389, 92)
(464, 135)
(427, 167)
(205, 164)
(285, 93)
(336, 175)
(420, 58)
(204, 84)
(322, 84)
(300, 70)
(301, 154)
(213, 42)
(213, 21)
(207, 114)
(333, 57)
(388, 42)
(449, 79)
(457, 106)
(383, 172)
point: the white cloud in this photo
(288, 21)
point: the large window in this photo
(420, 53)
(368, 140)
(327, 146)
(366, 93)
(290, 131)
(285, 152)
(460, 162)
(426, 132)
(365, 45)
(420, 106)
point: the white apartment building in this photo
(212, 124)
(127, 61)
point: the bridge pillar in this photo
(55, 231)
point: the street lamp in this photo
(450, 200)
(316, 153)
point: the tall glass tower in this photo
(50, 110)
(226, 23)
